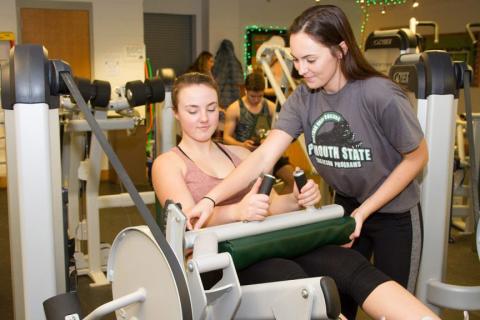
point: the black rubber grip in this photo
(331, 296)
(300, 179)
(267, 184)
(63, 305)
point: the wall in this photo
(8, 19)
(116, 32)
(450, 15)
(187, 7)
(262, 13)
(116, 26)
(224, 26)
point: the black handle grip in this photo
(300, 179)
(60, 306)
(267, 184)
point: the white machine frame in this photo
(264, 55)
(95, 263)
(462, 213)
(299, 299)
(34, 171)
(436, 109)
(77, 169)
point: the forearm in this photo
(258, 162)
(229, 139)
(283, 203)
(242, 176)
(224, 214)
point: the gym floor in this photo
(463, 263)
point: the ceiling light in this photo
(415, 4)
(383, 10)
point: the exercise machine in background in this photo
(78, 167)
(383, 47)
(436, 82)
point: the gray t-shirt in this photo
(356, 137)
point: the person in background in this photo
(248, 121)
(203, 64)
(228, 73)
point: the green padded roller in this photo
(288, 243)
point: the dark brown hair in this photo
(328, 25)
(255, 81)
(188, 79)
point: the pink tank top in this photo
(200, 183)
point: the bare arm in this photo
(411, 165)
(169, 183)
(168, 180)
(271, 108)
(261, 160)
(231, 118)
(309, 196)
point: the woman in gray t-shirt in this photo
(362, 137)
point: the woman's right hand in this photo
(199, 214)
(249, 144)
(253, 206)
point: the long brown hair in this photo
(200, 64)
(188, 79)
(328, 25)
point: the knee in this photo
(289, 269)
(349, 268)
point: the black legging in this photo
(393, 239)
(354, 275)
(270, 270)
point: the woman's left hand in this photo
(309, 195)
(358, 216)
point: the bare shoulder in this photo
(233, 108)
(270, 103)
(239, 151)
(168, 162)
(271, 106)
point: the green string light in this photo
(365, 4)
(380, 2)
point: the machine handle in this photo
(300, 179)
(267, 184)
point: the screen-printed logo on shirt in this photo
(334, 144)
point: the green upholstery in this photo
(288, 243)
